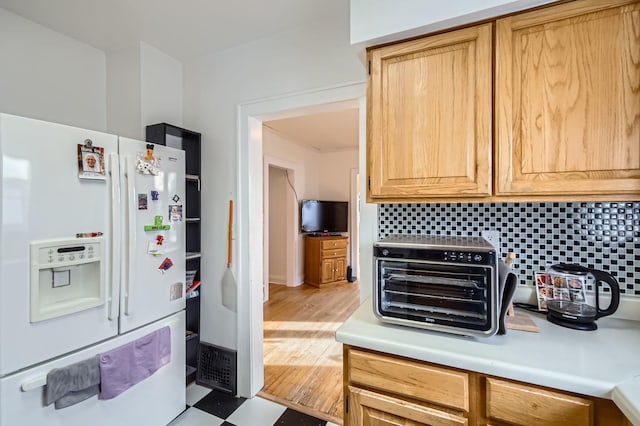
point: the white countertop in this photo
(604, 363)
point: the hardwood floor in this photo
(302, 360)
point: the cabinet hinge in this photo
(369, 67)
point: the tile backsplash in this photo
(600, 235)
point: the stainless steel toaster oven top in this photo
(442, 283)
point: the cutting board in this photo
(521, 321)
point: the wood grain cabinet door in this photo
(567, 104)
(429, 116)
(340, 269)
(328, 273)
(368, 408)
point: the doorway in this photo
(281, 240)
(251, 216)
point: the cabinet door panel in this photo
(429, 116)
(327, 271)
(527, 405)
(340, 269)
(568, 99)
(374, 409)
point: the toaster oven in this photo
(440, 283)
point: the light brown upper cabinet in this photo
(429, 117)
(567, 100)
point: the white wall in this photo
(381, 21)
(123, 92)
(304, 163)
(144, 87)
(304, 160)
(312, 57)
(335, 174)
(324, 176)
(49, 76)
(161, 87)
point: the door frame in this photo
(292, 239)
(250, 215)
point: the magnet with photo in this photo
(175, 212)
(148, 163)
(154, 249)
(142, 201)
(544, 289)
(166, 264)
(91, 161)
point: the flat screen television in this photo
(324, 216)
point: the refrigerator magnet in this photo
(91, 161)
(148, 163)
(155, 195)
(157, 225)
(175, 198)
(166, 264)
(142, 201)
(176, 291)
(154, 249)
(175, 212)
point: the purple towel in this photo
(129, 364)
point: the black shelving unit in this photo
(189, 142)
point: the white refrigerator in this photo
(92, 258)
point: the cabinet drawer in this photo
(341, 252)
(416, 380)
(529, 405)
(371, 408)
(331, 244)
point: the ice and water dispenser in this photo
(66, 276)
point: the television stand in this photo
(325, 234)
(325, 260)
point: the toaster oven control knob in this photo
(385, 252)
(477, 258)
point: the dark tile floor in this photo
(212, 408)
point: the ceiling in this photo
(190, 28)
(182, 29)
(323, 132)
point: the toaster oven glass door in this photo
(453, 295)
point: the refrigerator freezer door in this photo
(155, 400)
(44, 199)
(153, 267)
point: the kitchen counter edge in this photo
(556, 357)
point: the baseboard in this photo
(278, 279)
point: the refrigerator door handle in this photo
(33, 383)
(114, 292)
(130, 176)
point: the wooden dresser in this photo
(325, 260)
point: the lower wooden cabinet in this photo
(376, 409)
(325, 260)
(382, 389)
(515, 403)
